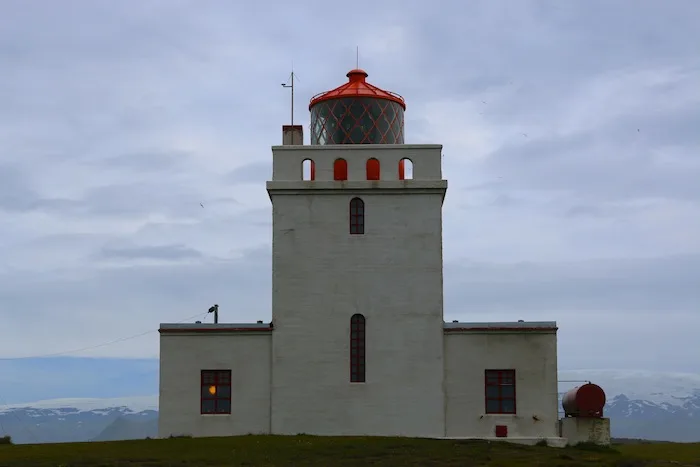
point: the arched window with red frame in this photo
(357, 349)
(373, 169)
(357, 216)
(340, 169)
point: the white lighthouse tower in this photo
(357, 300)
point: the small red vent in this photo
(501, 431)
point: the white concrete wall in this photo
(533, 356)
(184, 355)
(578, 430)
(426, 158)
(322, 275)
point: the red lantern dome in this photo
(357, 113)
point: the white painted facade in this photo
(528, 348)
(424, 377)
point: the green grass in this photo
(338, 452)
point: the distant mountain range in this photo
(69, 420)
(638, 418)
(645, 405)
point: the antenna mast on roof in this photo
(291, 86)
(215, 310)
(357, 57)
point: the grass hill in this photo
(314, 451)
(129, 428)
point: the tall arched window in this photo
(357, 216)
(357, 349)
(372, 169)
(340, 169)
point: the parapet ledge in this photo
(198, 328)
(354, 147)
(502, 327)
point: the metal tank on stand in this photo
(583, 420)
(585, 401)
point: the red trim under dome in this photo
(357, 86)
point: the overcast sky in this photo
(571, 135)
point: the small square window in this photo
(500, 391)
(215, 392)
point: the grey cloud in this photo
(155, 161)
(141, 198)
(110, 200)
(616, 211)
(142, 119)
(597, 168)
(17, 192)
(163, 252)
(666, 284)
(580, 210)
(241, 285)
(159, 194)
(257, 172)
(553, 44)
(126, 300)
(29, 201)
(504, 200)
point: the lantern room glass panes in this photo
(360, 120)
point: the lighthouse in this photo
(357, 271)
(357, 343)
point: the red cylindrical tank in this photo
(584, 401)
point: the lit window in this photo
(357, 349)
(216, 392)
(500, 391)
(357, 216)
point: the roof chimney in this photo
(292, 135)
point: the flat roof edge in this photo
(347, 147)
(520, 326)
(175, 328)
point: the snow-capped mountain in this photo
(65, 420)
(650, 386)
(648, 405)
(664, 421)
(640, 405)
